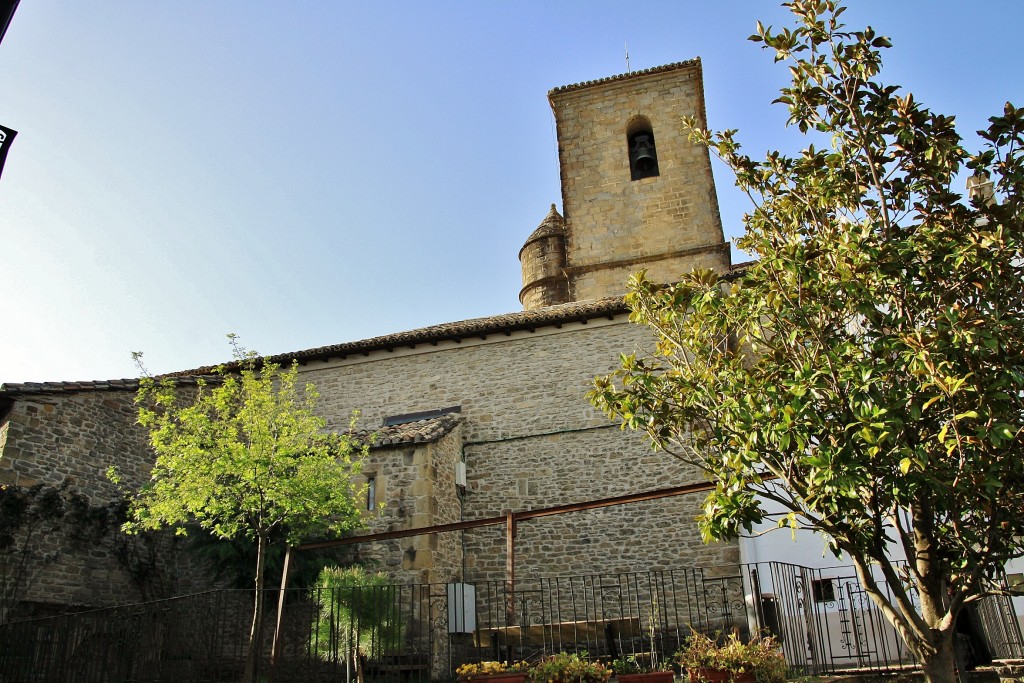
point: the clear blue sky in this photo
(310, 173)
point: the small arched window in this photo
(643, 156)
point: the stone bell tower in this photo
(635, 192)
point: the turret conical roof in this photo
(552, 225)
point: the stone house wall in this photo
(446, 549)
(71, 438)
(526, 432)
(74, 437)
(531, 440)
(416, 484)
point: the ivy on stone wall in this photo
(38, 523)
(27, 515)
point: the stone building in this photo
(498, 400)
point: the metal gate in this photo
(828, 623)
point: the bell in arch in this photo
(643, 158)
(643, 153)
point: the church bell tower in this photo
(635, 192)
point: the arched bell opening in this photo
(643, 156)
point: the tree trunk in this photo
(256, 633)
(941, 666)
(930, 638)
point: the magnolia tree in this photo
(246, 457)
(865, 373)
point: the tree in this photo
(247, 456)
(360, 615)
(230, 561)
(866, 372)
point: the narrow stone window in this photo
(371, 493)
(643, 156)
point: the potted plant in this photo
(714, 660)
(494, 672)
(631, 670)
(569, 668)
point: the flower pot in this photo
(720, 676)
(648, 677)
(515, 677)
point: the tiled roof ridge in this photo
(420, 431)
(548, 316)
(15, 388)
(455, 331)
(622, 77)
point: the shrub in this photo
(569, 668)
(760, 656)
(634, 665)
(475, 670)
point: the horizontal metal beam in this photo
(385, 535)
(516, 516)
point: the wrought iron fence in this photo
(827, 622)
(424, 632)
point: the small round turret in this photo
(543, 263)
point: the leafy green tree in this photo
(246, 456)
(866, 372)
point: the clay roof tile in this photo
(419, 431)
(550, 316)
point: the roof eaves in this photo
(39, 388)
(551, 316)
(689, 63)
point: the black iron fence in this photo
(424, 632)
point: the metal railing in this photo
(424, 632)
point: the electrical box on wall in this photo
(460, 474)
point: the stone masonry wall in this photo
(72, 438)
(576, 467)
(532, 440)
(417, 486)
(544, 283)
(447, 554)
(612, 278)
(527, 433)
(611, 218)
